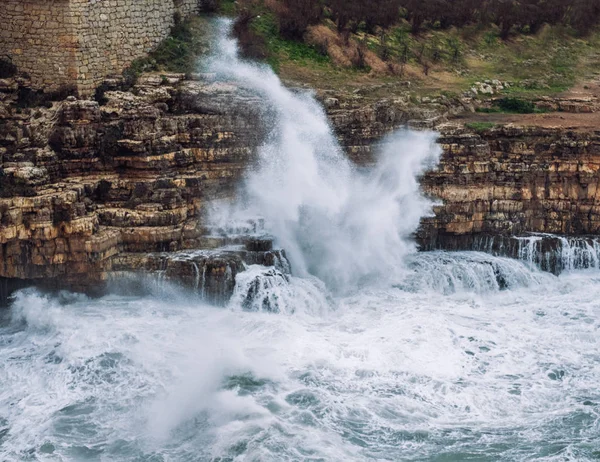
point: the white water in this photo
(385, 375)
(335, 222)
(553, 253)
(395, 356)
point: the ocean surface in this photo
(447, 365)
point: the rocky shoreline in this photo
(89, 188)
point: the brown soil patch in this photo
(564, 120)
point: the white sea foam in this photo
(386, 374)
(395, 356)
(342, 225)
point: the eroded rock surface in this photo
(82, 183)
(91, 188)
(512, 180)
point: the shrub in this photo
(350, 14)
(515, 105)
(358, 57)
(455, 49)
(252, 45)
(583, 15)
(177, 53)
(295, 16)
(210, 6)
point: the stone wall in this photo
(38, 37)
(112, 33)
(66, 42)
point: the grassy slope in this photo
(543, 64)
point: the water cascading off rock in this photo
(336, 222)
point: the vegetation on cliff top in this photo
(447, 49)
(440, 46)
(177, 53)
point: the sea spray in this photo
(390, 375)
(345, 226)
(474, 358)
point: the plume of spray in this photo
(336, 222)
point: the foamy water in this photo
(369, 351)
(395, 374)
(343, 225)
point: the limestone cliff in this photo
(89, 189)
(82, 183)
(513, 180)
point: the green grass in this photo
(480, 126)
(546, 63)
(549, 62)
(515, 105)
(228, 8)
(177, 53)
(511, 105)
(281, 50)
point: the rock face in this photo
(362, 122)
(91, 189)
(82, 183)
(510, 181)
(209, 273)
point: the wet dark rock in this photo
(209, 274)
(261, 292)
(259, 244)
(554, 254)
(10, 285)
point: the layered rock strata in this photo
(88, 188)
(510, 181)
(83, 182)
(209, 274)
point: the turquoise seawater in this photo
(447, 365)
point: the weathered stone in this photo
(510, 181)
(87, 190)
(82, 42)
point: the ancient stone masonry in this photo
(80, 42)
(39, 37)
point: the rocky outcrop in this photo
(362, 121)
(82, 183)
(210, 274)
(90, 189)
(509, 181)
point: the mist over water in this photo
(335, 222)
(374, 352)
